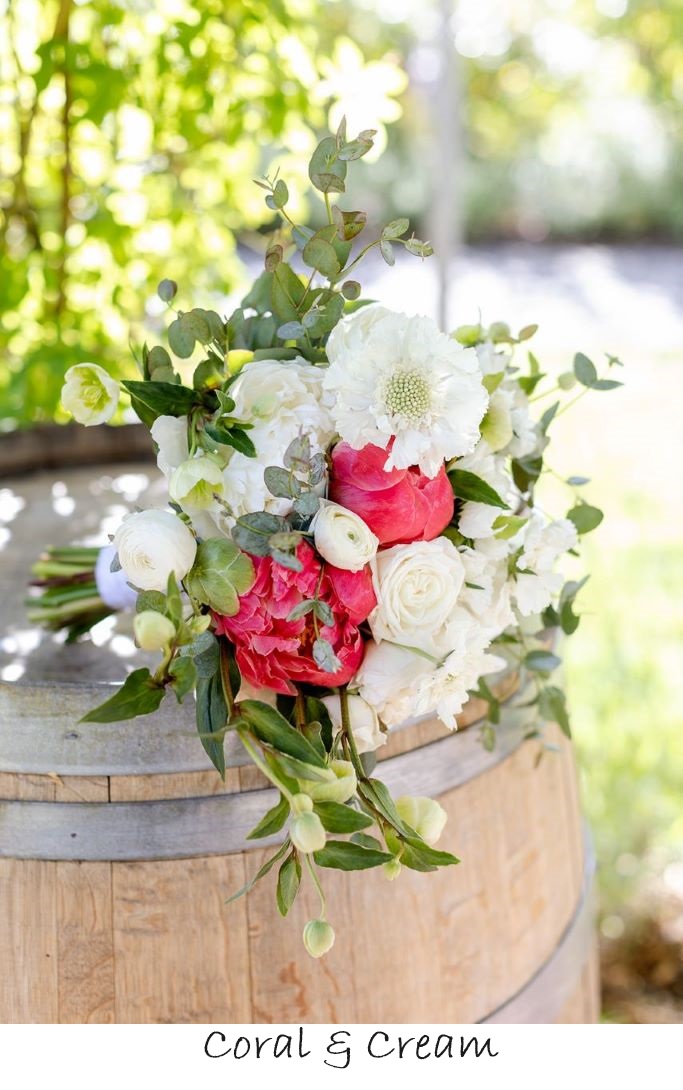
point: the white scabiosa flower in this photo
(401, 378)
(152, 544)
(90, 394)
(342, 538)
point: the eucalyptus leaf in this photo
(220, 573)
(585, 517)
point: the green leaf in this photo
(584, 369)
(606, 384)
(288, 882)
(326, 171)
(301, 770)
(261, 873)
(212, 718)
(506, 526)
(151, 599)
(396, 228)
(184, 674)
(345, 855)
(377, 794)
(181, 339)
(548, 416)
(468, 486)
(338, 818)
(527, 332)
(167, 290)
(585, 517)
(231, 437)
(271, 822)
(140, 694)
(553, 706)
(387, 252)
(319, 254)
(433, 856)
(280, 194)
(272, 728)
(366, 841)
(174, 605)
(160, 398)
(287, 292)
(542, 661)
(220, 573)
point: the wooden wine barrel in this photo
(119, 844)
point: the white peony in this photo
(342, 538)
(417, 589)
(364, 721)
(152, 544)
(283, 401)
(90, 394)
(402, 378)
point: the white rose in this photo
(195, 483)
(363, 718)
(342, 538)
(112, 586)
(417, 588)
(90, 394)
(152, 544)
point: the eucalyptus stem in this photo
(316, 882)
(328, 207)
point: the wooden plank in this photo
(85, 943)
(181, 954)
(179, 785)
(28, 942)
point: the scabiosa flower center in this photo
(407, 394)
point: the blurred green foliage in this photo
(129, 137)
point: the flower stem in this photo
(300, 711)
(225, 677)
(316, 882)
(246, 740)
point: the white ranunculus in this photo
(170, 435)
(342, 538)
(417, 589)
(90, 394)
(364, 721)
(112, 586)
(393, 376)
(195, 483)
(152, 544)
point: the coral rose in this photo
(276, 653)
(399, 505)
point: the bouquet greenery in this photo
(352, 539)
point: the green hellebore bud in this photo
(423, 815)
(467, 335)
(152, 630)
(318, 937)
(236, 359)
(567, 380)
(339, 786)
(307, 833)
(301, 804)
(392, 869)
(195, 482)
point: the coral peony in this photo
(399, 505)
(276, 653)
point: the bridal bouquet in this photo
(351, 539)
